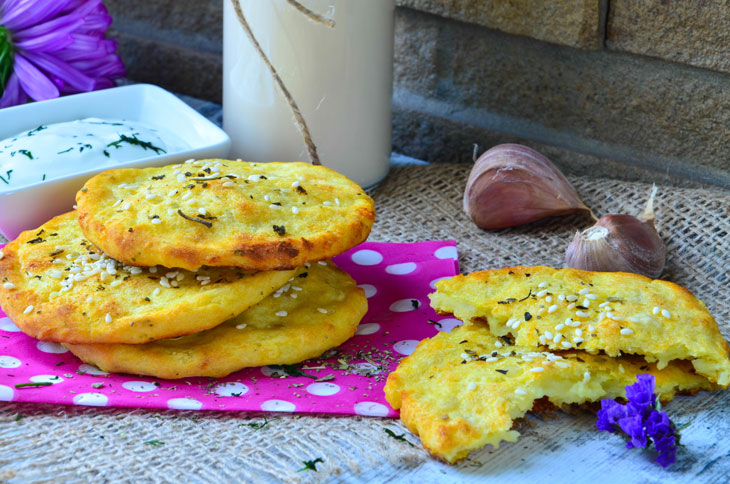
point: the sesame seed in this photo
(267, 198)
(627, 331)
(516, 324)
(537, 369)
(604, 304)
(172, 193)
(571, 305)
(578, 332)
(150, 196)
(322, 263)
(559, 327)
(584, 291)
(108, 318)
(548, 335)
(202, 211)
(241, 326)
(126, 206)
(8, 285)
(561, 297)
(549, 299)
(114, 205)
(464, 356)
(89, 300)
(542, 284)
(587, 376)
(541, 293)
(322, 310)
(582, 314)
(337, 202)
(275, 207)
(228, 184)
(181, 177)
(571, 298)
(557, 338)
(633, 319)
(540, 312)
(186, 196)
(542, 339)
(174, 284)
(115, 283)
(552, 309)
(471, 386)
(655, 310)
(520, 391)
(566, 344)
(497, 344)
(615, 316)
(28, 309)
(586, 302)
(156, 221)
(591, 296)
(153, 269)
(281, 314)
(568, 322)
(327, 202)
(562, 364)
(491, 359)
(296, 184)
(191, 160)
(591, 328)
(666, 313)
(578, 339)
(293, 296)
(164, 282)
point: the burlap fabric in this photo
(44, 443)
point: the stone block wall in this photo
(606, 87)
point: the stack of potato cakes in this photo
(195, 269)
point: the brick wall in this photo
(620, 88)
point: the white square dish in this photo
(30, 206)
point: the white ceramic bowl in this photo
(30, 206)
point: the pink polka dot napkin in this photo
(396, 279)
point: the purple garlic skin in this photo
(620, 243)
(512, 185)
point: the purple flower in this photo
(56, 47)
(639, 420)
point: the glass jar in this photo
(340, 75)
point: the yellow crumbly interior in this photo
(614, 313)
(462, 390)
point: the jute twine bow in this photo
(298, 118)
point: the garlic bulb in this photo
(620, 243)
(512, 184)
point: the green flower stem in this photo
(6, 58)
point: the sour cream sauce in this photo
(53, 151)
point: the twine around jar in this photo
(298, 117)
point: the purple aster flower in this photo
(640, 421)
(54, 47)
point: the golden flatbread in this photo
(611, 312)
(259, 216)
(318, 310)
(462, 390)
(57, 286)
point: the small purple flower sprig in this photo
(641, 420)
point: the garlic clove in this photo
(620, 243)
(512, 184)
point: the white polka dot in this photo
(401, 269)
(433, 283)
(49, 347)
(9, 362)
(406, 346)
(367, 257)
(448, 324)
(367, 328)
(323, 389)
(231, 389)
(46, 379)
(91, 370)
(371, 409)
(369, 289)
(9, 326)
(184, 404)
(139, 386)
(91, 399)
(405, 305)
(448, 252)
(6, 394)
(278, 406)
